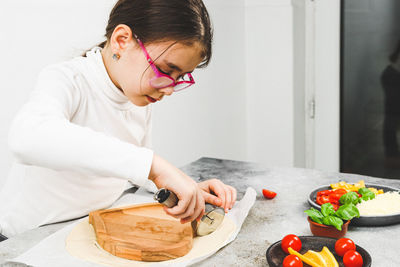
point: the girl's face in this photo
(131, 73)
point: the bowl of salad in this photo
(330, 222)
(361, 194)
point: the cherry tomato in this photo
(292, 241)
(343, 245)
(324, 192)
(352, 259)
(292, 261)
(268, 194)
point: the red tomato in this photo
(340, 191)
(292, 241)
(352, 259)
(323, 199)
(324, 192)
(268, 194)
(334, 198)
(336, 195)
(343, 245)
(292, 261)
(335, 206)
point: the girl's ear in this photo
(121, 39)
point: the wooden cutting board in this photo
(141, 232)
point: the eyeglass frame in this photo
(159, 74)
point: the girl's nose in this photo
(167, 90)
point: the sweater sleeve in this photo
(42, 134)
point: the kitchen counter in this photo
(268, 221)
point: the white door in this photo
(316, 90)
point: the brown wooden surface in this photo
(141, 232)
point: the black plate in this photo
(363, 220)
(275, 254)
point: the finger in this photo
(217, 188)
(201, 215)
(212, 199)
(182, 205)
(190, 209)
(198, 209)
(228, 201)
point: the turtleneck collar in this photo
(117, 98)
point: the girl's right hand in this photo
(191, 202)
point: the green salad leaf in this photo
(347, 212)
(328, 215)
(366, 193)
(334, 221)
(349, 198)
(315, 215)
(327, 209)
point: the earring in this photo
(115, 57)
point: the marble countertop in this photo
(268, 221)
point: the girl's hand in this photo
(219, 194)
(191, 202)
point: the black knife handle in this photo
(166, 197)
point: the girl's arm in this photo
(42, 135)
(191, 202)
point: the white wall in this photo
(34, 34)
(209, 119)
(269, 86)
(241, 106)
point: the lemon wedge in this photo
(329, 258)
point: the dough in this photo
(81, 243)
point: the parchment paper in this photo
(51, 251)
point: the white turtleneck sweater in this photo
(78, 142)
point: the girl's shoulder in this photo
(64, 80)
(69, 68)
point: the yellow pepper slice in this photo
(324, 258)
(355, 187)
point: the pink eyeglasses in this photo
(162, 80)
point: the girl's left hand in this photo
(217, 193)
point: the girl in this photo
(84, 135)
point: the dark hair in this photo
(184, 21)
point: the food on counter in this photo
(292, 261)
(343, 245)
(352, 259)
(328, 216)
(348, 187)
(324, 258)
(354, 187)
(382, 204)
(344, 248)
(344, 193)
(292, 241)
(268, 193)
(330, 196)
